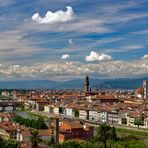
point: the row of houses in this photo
(98, 116)
(67, 130)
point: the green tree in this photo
(76, 113)
(8, 143)
(90, 145)
(71, 144)
(104, 134)
(113, 134)
(32, 123)
(40, 124)
(138, 122)
(50, 142)
(35, 138)
(27, 123)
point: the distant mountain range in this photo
(126, 83)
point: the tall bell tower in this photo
(86, 85)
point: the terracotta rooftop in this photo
(7, 115)
(46, 132)
(135, 114)
(68, 126)
(8, 125)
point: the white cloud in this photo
(124, 48)
(132, 47)
(86, 25)
(55, 17)
(13, 47)
(145, 56)
(70, 41)
(97, 57)
(65, 56)
(70, 70)
(142, 32)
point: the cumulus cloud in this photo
(97, 57)
(54, 17)
(69, 70)
(145, 56)
(65, 56)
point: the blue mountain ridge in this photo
(123, 83)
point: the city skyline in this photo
(66, 39)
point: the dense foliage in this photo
(8, 143)
(113, 134)
(35, 138)
(38, 124)
(110, 144)
(104, 133)
(106, 137)
(138, 121)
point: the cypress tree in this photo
(113, 134)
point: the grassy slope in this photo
(125, 132)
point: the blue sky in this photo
(100, 38)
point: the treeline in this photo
(37, 124)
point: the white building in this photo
(46, 108)
(5, 93)
(93, 115)
(103, 117)
(84, 114)
(146, 122)
(56, 110)
(113, 117)
(69, 112)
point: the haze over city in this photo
(67, 39)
